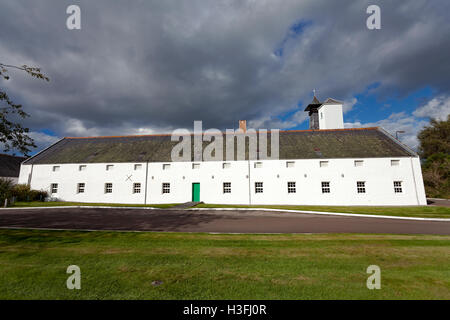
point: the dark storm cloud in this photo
(138, 66)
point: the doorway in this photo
(196, 192)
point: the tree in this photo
(435, 150)
(12, 134)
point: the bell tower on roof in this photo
(325, 115)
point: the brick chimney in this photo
(243, 125)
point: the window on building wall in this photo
(82, 167)
(226, 165)
(108, 187)
(137, 166)
(109, 167)
(259, 187)
(54, 188)
(398, 187)
(326, 187)
(258, 165)
(359, 163)
(291, 187)
(361, 186)
(395, 163)
(80, 187)
(290, 164)
(137, 187)
(196, 166)
(323, 164)
(166, 187)
(227, 187)
(56, 168)
(166, 166)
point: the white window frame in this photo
(326, 187)
(259, 187)
(81, 187)
(53, 188)
(395, 162)
(136, 187)
(109, 167)
(56, 168)
(166, 166)
(258, 165)
(137, 166)
(108, 187)
(165, 187)
(398, 186)
(290, 164)
(226, 165)
(358, 163)
(227, 187)
(291, 187)
(82, 167)
(195, 166)
(323, 164)
(360, 187)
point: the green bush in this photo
(22, 192)
(6, 187)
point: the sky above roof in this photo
(142, 67)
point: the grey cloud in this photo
(146, 66)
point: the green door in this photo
(196, 192)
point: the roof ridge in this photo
(203, 133)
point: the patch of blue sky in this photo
(294, 31)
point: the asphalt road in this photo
(211, 221)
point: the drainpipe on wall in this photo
(146, 181)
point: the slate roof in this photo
(304, 144)
(10, 165)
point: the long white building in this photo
(326, 165)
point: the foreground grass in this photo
(121, 265)
(419, 211)
(21, 204)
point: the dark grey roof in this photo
(315, 103)
(332, 101)
(10, 165)
(305, 144)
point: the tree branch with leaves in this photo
(13, 136)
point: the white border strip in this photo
(241, 209)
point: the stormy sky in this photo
(139, 67)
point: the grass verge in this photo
(122, 265)
(419, 211)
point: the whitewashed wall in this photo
(342, 174)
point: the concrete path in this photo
(221, 221)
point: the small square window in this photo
(166, 166)
(395, 163)
(259, 187)
(109, 167)
(82, 167)
(361, 186)
(166, 187)
(291, 187)
(323, 164)
(137, 166)
(54, 188)
(359, 163)
(196, 166)
(227, 187)
(108, 187)
(258, 165)
(56, 168)
(226, 165)
(326, 187)
(398, 187)
(290, 164)
(137, 187)
(80, 188)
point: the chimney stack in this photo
(243, 125)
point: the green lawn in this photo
(416, 211)
(63, 203)
(122, 265)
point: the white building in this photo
(328, 165)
